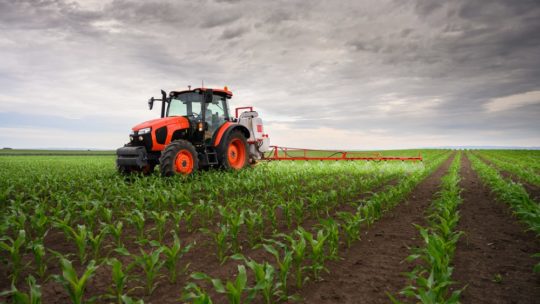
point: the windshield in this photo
(185, 104)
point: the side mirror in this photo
(208, 96)
(151, 103)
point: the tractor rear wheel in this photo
(234, 152)
(179, 157)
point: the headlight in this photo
(144, 131)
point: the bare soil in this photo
(374, 265)
(493, 257)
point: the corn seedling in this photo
(20, 297)
(119, 280)
(160, 218)
(74, 285)
(150, 264)
(331, 230)
(137, 219)
(284, 265)
(318, 256)
(129, 300)
(80, 237)
(116, 231)
(172, 255)
(195, 294)
(351, 226)
(298, 248)
(15, 250)
(39, 257)
(221, 240)
(254, 225)
(95, 241)
(233, 289)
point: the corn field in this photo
(72, 230)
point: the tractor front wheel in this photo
(234, 152)
(179, 157)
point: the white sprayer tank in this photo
(258, 141)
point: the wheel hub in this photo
(184, 162)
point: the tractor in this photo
(196, 131)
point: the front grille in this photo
(145, 142)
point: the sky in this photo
(353, 74)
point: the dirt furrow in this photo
(374, 265)
(493, 257)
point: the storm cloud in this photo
(324, 74)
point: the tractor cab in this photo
(199, 123)
(201, 106)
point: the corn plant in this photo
(15, 250)
(74, 285)
(40, 224)
(317, 245)
(150, 264)
(119, 280)
(116, 231)
(195, 294)
(137, 219)
(352, 223)
(220, 238)
(188, 218)
(233, 289)
(172, 255)
(80, 237)
(331, 230)
(160, 218)
(95, 240)
(177, 217)
(206, 211)
(128, 300)
(284, 265)
(39, 257)
(20, 297)
(235, 221)
(254, 226)
(298, 248)
(265, 276)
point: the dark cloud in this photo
(231, 33)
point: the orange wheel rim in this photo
(236, 154)
(183, 163)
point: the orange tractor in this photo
(196, 131)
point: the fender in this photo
(226, 129)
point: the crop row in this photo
(431, 278)
(525, 173)
(526, 209)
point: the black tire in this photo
(167, 161)
(223, 150)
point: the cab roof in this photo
(221, 92)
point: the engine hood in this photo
(181, 121)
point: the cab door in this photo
(216, 115)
